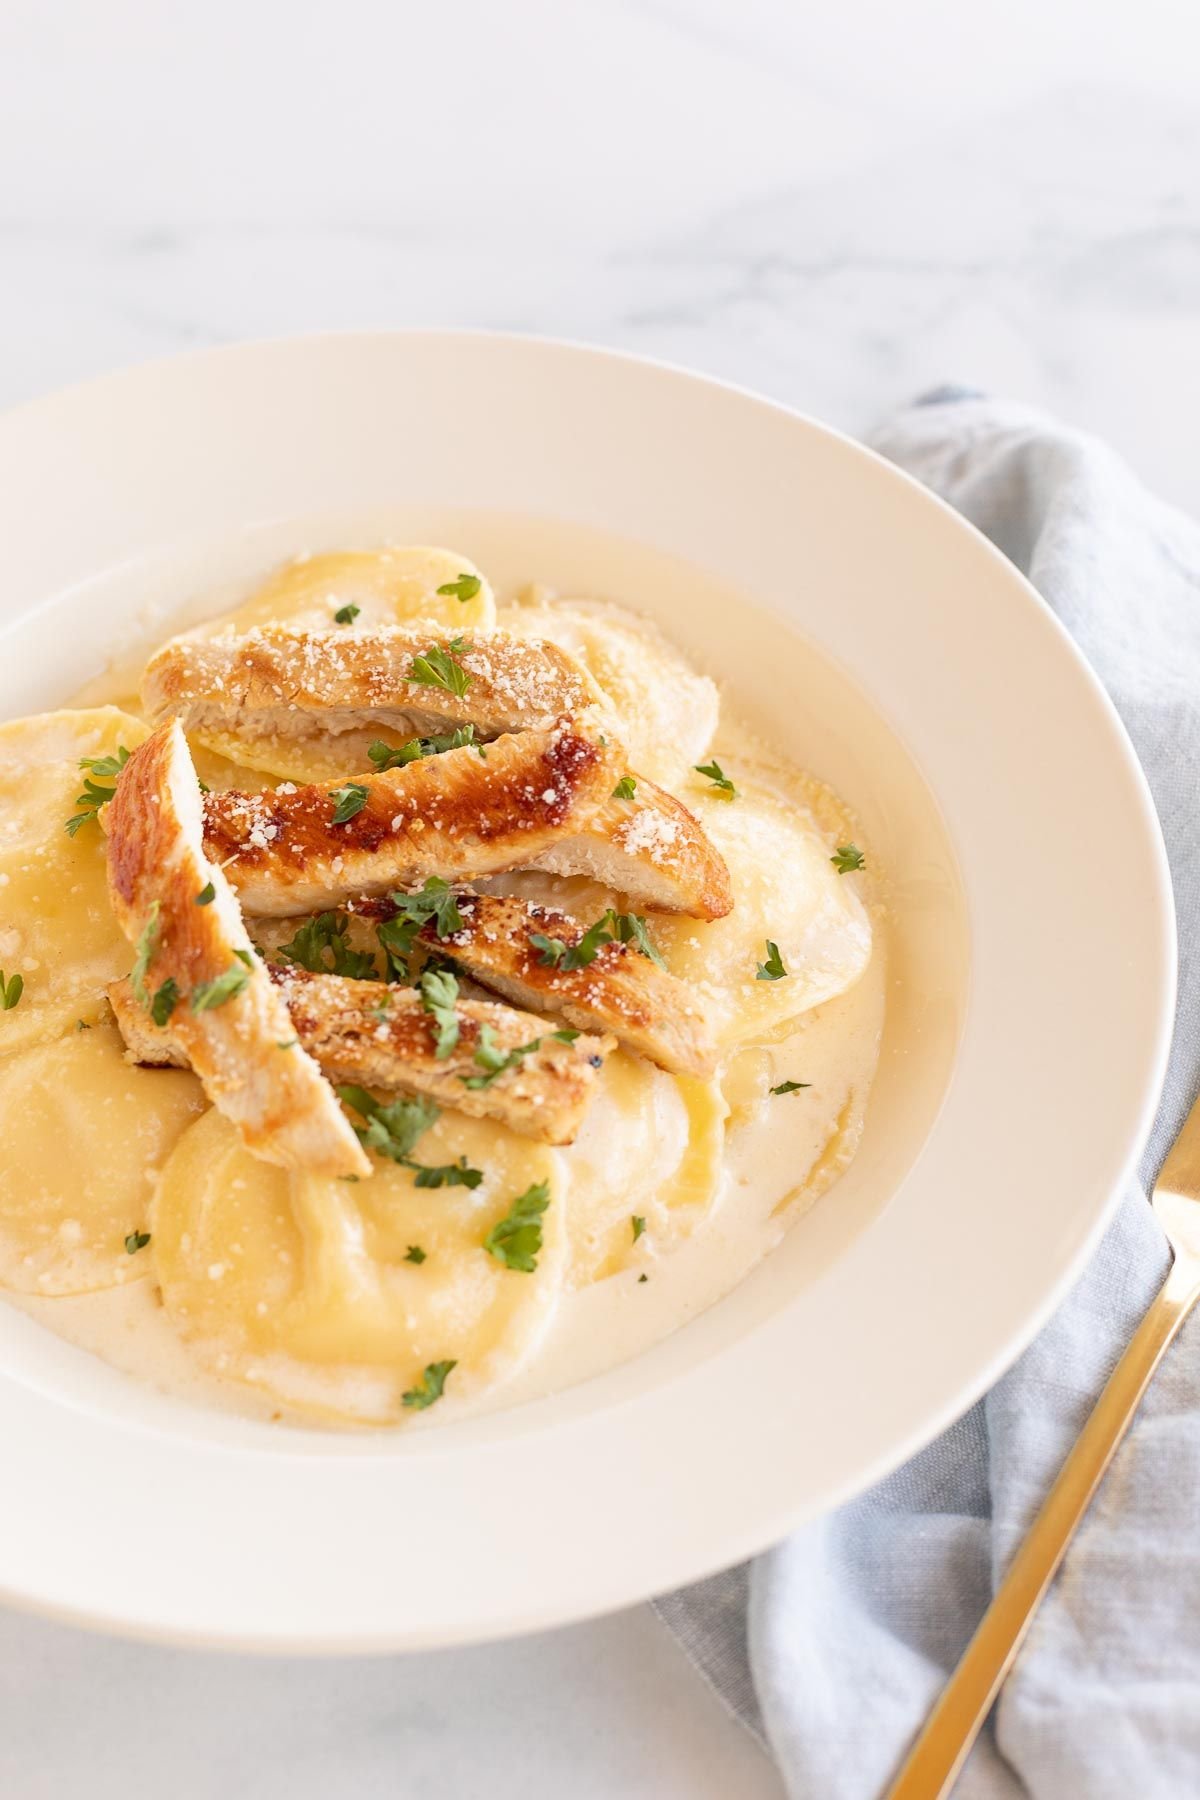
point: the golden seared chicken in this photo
(603, 979)
(459, 815)
(646, 844)
(293, 683)
(478, 1056)
(197, 970)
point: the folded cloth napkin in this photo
(833, 1646)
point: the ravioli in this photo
(666, 711)
(304, 1286)
(394, 586)
(82, 1136)
(56, 927)
(786, 890)
(650, 1147)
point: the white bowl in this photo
(884, 643)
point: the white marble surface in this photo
(839, 210)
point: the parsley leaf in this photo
(146, 945)
(385, 757)
(625, 789)
(437, 901)
(207, 895)
(439, 997)
(516, 1239)
(718, 777)
(396, 939)
(350, 801)
(638, 1224)
(322, 946)
(433, 1382)
(439, 667)
(137, 1240)
(465, 588)
(848, 857)
(222, 988)
(391, 1130)
(346, 615)
(455, 1174)
(611, 928)
(11, 991)
(772, 969)
(97, 793)
(790, 1087)
(414, 1254)
(165, 1001)
(566, 1035)
(495, 1061)
(631, 929)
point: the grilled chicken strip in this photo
(295, 684)
(650, 848)
(197, 967)
(620, 990)
(380, 1037)
(458, 815)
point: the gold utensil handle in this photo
(952, 1727)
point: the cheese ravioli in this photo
(56, 926)
(83, 1134)
(786, 891)
(650, 1148)
(334, 1296)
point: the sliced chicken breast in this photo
(197, 970)
(295, 683)
(505, 1065)
(458, 816)
(508, 945)
(649, 847)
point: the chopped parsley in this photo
(224, 987)
(638, 1224)
(349, 802)
(11, 991)
(392, 1130)
(848, 857)
(146, 945)
(164, 1002)
(516, 1239)
(643, 1278)
(433, 1383)
(136, 1240)
(772, 969)
(439, 667)
(718, 777)
(207, 895)
(494, 1060)
(81, 1024)
(439, 997)
(384, 756)
(286, 1043)
(790, 1087)
(567, 1035)
(322, 946)
(346, 615)
(625, 789)
(244, 956)
(96, 792)
(437, 1175)
(436, 901)
(611, 928)
(396, 939)
(465, 588)
(414, 1254)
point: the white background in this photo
(840, 205)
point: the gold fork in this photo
(936, 1758)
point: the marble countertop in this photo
(838, 211)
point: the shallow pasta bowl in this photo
(885, 645)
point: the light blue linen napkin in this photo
(833, 1646)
